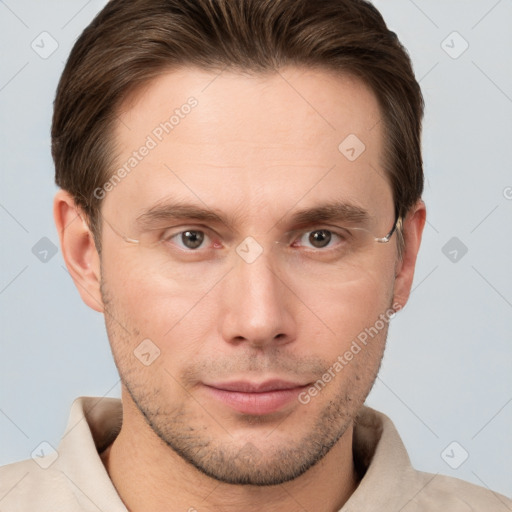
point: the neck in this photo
(148, 475)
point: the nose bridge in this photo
(255, 305)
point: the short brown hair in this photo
(132, 41)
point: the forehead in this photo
(301, 100)
(250, 138)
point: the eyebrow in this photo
(329, 212)
(168, 211)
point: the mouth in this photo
(256, 398)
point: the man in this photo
(240, 196)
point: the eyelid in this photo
(337, 230)
(319, 227)
(171, 231)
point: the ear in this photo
(413, 225)
(78, 249)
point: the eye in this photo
(319, 239)
(189, 239)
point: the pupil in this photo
(320, 238)
(192, 239)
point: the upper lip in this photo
(255, 387)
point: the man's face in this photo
(237, 319)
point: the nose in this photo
(257, 305)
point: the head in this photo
(209, 153)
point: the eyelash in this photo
(300, 233)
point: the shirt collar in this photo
(379, 454)
(93, 423)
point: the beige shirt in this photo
(74, 479)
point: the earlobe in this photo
(78, 249)
(413, 226)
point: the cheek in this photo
(357, 314)
(153, 301)
(177, 319)
(349, 307)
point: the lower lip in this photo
(265, 402)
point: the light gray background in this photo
(447, 372)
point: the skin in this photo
(255, 151)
